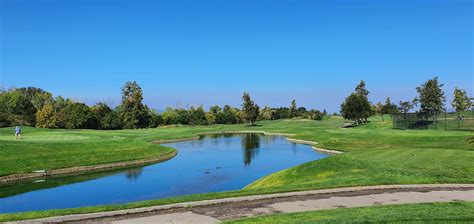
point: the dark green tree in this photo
(111, 121)
(78, 115)
(361, 89)
(197, 116)
(155, 119)
(356, 107)
(230, 115)
(250, 109)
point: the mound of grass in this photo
(395, 166)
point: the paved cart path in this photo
(212, 211)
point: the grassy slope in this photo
(426, 213)
(376, 154)
(380, 155)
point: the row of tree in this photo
(36, 107)
(431, 100)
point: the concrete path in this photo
(212, 211)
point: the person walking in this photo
(17, 132)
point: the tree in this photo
(155, 119)
(132, 111)
(99, 111)
(78, 115)
(379, 109)
(282, 113)
(250, 109)
(315, 115)
(197, 116)
(16, 108)
(405, 106)
(111, 121)
(301, 111)
(293, 110)
(461, 101)
(211, 118)
(389, 108)
(267, 113)
(356, 107)
(216, 115)
(431, 96)
(325, 113)
(169, 116)
(182, 116)
(360, 89)
(45, 117)
(230, 115)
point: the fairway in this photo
(374, 154)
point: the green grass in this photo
(375, 154)
(41, 149)
(416, 213)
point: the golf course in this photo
(374, 154)
(235, 111)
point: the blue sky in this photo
(208, 52)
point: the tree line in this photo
(33, 106)
(430, 101)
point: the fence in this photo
(435, 121)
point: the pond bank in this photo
(84, 169)
(70, 171)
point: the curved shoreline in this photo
(71, 171)
(313, 145)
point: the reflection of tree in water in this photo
(251, 144)
(133, 174)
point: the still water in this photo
(212, 163)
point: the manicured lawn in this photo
(375, 154)
(419, 213)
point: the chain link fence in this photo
(463, 121)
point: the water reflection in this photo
(251, 146)
(133, 174)
(211, 164)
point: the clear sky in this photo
(208, 52)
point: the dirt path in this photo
(212, 211)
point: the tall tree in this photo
(431, 96)
(361, 89)
(293, 110)
(461, 101)
(250, 109)
(132, 111)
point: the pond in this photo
(210, 164)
